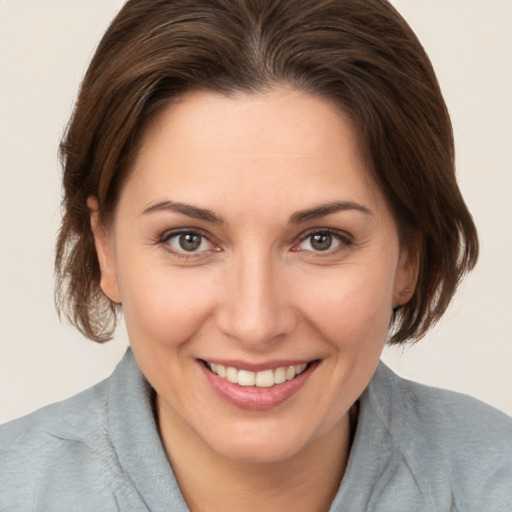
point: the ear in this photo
(406, 273)
(105, 250)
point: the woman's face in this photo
(249, 240)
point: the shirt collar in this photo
(136, 440)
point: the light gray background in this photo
(45, 46)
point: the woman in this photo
(265, 190)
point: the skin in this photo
(256, 290)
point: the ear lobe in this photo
(106, 254)
(406, 274)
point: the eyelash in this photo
(343, 238)
(165, 238)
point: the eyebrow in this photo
(185, 209)
(327, 209)
(297, 218)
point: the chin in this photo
(261, 442)
(260, 450)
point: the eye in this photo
(322, 241)
(187, 242)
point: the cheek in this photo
(164, 307)
(352, 307)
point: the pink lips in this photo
(254, 398)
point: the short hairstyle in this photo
(358, 54)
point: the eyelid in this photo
(171, 233)
(343, 237)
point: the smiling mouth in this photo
(261, 379)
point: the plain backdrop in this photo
(45, 46)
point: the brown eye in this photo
(187, 242)
(190, 241)
(321, 241)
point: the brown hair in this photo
(359, 54)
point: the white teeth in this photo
(246, 378)
(232, 374)
(300, 368)
(263, 379)
(280, 375)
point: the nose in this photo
(255, 309)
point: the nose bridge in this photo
(256, 311)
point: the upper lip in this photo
(258, 367)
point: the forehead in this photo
(268, 148)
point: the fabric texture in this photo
(415, 449)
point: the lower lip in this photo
(254, 398)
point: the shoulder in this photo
(72, 418)
(452, 442)
(52, 445)
(456, 421)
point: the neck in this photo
(306, 481)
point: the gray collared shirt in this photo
(415, 449)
